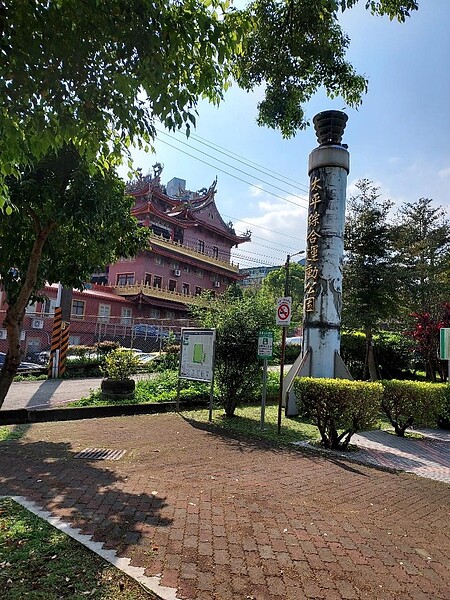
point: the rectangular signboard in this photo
(444, 334)
(197, 354)
(265, 344)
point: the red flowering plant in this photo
(426, 337)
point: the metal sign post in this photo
(265, 351)
(283, 317)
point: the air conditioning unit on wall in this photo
(217, 284)
(177, 272)
(37, 323)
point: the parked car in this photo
(149, 331)
(24, 366)
(294, 341)
(146, 357)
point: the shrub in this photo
(83, 353)
(408, 403)
(353, 352)
(120, 364)
(169, 361)
(105, 347)
(444, 416)
(237, 322)
(393, 351)
(338, 407)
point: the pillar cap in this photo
(329, 126)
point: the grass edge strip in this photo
(121, 563)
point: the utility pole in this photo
(283, 338)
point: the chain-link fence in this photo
(148, 335)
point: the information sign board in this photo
(197, 354)
(444, 335)
(265, 344)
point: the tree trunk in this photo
(370, 363)
(16, 312)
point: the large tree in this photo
(67, 224)
(422, 238)
(296, 47)
(370, 272)
(98, 74)
(274, 285)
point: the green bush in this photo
(444, 416)
(338, 407)
(163, 388)
(408, 403)
(168, 361)
(120, 364)
(353, 352)
(393, 352)
(105, 347)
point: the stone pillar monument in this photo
(329, 165)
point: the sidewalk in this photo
(214, 518)
(49, 392)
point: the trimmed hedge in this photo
(338, 407)
(444, 417)
(408, 403)
(394, 353)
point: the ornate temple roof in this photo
(184, 209)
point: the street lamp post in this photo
(283, 338)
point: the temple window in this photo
(125, 278)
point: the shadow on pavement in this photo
(91, 497)
(44, 392)
(242, 443)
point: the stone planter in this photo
(118, 389)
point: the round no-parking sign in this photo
(283, 315)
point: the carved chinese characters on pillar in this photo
(312, 245)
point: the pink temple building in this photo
(189, 252)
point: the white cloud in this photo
(255, 191)
(444, 173)
(280, 229)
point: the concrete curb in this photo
(22, 415)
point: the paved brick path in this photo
(221, 519)
(428, 457)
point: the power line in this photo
(260, 227)
(258, 187)
(256, 237)
(249, 163)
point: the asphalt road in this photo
(51, 392)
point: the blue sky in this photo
(399, 138)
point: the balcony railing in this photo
(148, 290)
(186, 250)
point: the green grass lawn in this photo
(12, 432)
(39, 562)
(247, 423)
